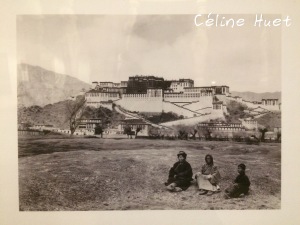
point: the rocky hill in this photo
(38, 86)
(270, 120)
(236, 112)
(252, 96)
(57, 114)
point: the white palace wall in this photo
(144, 103)
(186, 97)
(141, 103)
(101, 97)
(185, 104)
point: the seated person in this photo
(180, 175)
(209, 177)
(240, 184)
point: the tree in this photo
(207, 133)
(128, 131)
(193, 133)
(75, 111)
(278, 136)
(263, 131)
(183, 132)
(167, 133)
(252, 139)
(237, 136)
(154, 132)
(99, 130)
(138, 129)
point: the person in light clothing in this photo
(209, 177)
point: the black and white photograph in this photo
(149, 112)
(130, 112)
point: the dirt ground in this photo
(57, 173)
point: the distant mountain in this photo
(251, 96)
(38, 86)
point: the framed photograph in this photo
(149, 112)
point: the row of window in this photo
(217, 106)
(270, 103)
(136, 96)
(198, 90)
(182, 84)
(141, 95)
(134, 126)
(226, 128)
(251, 122)
(216, 125)
(103, 94)
(90, 120)
(186, 95)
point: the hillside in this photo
(57, 114)
(38, 86)
(270, 120)
(236, 112)
(53, 114)
(251, 96)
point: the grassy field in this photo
(59, 173)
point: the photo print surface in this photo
(148, 112)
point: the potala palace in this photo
(151, 94)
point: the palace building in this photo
(155, 94)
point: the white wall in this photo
(150, 104)
(249, 125)
(98, 97)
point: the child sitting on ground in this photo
(240, 184)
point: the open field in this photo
(61, 173)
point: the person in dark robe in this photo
(240, 185)
(180, 175)
(209, 177)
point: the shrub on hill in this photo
(162, 117)
(270, 120)
(236, 111)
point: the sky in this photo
(114, 47)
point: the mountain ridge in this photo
(254, 96)
(39, 86)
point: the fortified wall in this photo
(152, 101)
